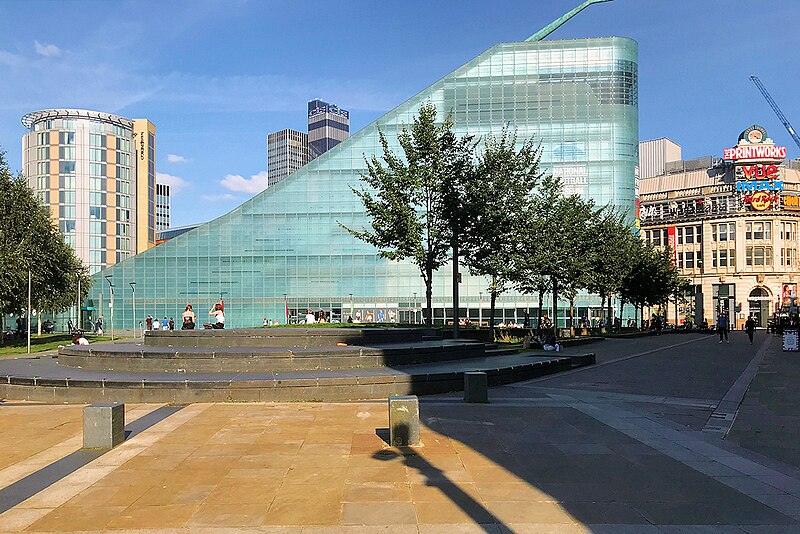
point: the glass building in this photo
(284, 249)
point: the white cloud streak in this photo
(175, 183)
(240, 184)
(47, 50)
(175, 158)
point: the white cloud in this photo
(47, 50)
(175, 158)
(238, 183)
(175, 183)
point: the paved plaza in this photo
(674, 433)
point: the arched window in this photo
(759, 292)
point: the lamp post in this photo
(78, 302)
(480, 309)
(285, 308)
(111, 304)
(351, 305)
(133, 291)
(28, 311)
(415, 309)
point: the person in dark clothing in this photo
(750, 328)
(722, 327)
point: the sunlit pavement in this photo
(654, 438)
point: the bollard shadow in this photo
(436, 478)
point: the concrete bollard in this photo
(403, 421)
(103, 425)
(476, 387)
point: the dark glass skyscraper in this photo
(328, 125)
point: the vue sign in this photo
(761, 172)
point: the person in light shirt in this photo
(310, 319)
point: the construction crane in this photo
(776, 109)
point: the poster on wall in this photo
(788, 292)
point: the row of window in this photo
(722, 232)
(758, 230)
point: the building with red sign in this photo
(732, 223)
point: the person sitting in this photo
(188, 318)
(219, 316)
(550, 343)
(80, 340)
(156, 325)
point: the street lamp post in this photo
(415, 309)
(78, 315)
(480, 309)
(28, 311)
(286, 308)
(133, 291)
(351, 305)
(111, 304)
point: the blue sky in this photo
(216, 76)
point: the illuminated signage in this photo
(754, 145)
(755, 152)
(759, 171)
(791, 202)
(761, 200)
(771, 185)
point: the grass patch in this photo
(42, 343)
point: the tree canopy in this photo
(30, 241)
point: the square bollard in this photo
(476, 387)
(403, 421)
(103, 425)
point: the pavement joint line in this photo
(722, 419)
(27, 466)
(20, 517)
(682, 452)
(525, 383)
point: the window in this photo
(66, 138)
(43, 167)
(97, 212)
(66, 182)
(97, 140)
(698, 234)
(43, 152)
(759, 256)
(67, 226)
(43, 138)
(680, 260)
(788, 257)
(66, 197)
(721, 232)
(689, 235)
(679, 235)
(689, 260)
(66, 167)
(788, 231)
(657, 238)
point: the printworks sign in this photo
(755, 158)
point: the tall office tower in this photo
(328, 125)
(162, 207)
(287, 151)
(85, 166)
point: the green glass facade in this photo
(578, 97)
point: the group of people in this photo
(189, 319)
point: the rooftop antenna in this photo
(556, 24)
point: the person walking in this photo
(722, 327)
(750, 328)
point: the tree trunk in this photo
(539, 322)
(493, 301)
(609, 316)
(572, 316)
(429, 295)
(602, 310)
(455, 283)
(555, 306)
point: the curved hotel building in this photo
(96, 173)
(283, 251)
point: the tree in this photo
(556, 242)
(653, 277)
(30, 241)
(497, 200)
(411, 200)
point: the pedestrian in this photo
(171, 324)
(156, 324)
(265, 322)
(149, 322)
(722, 327)
(310, 319)
(358, 316)
(188, 318)
(165, 323)
(219, 315)
(750, 327)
